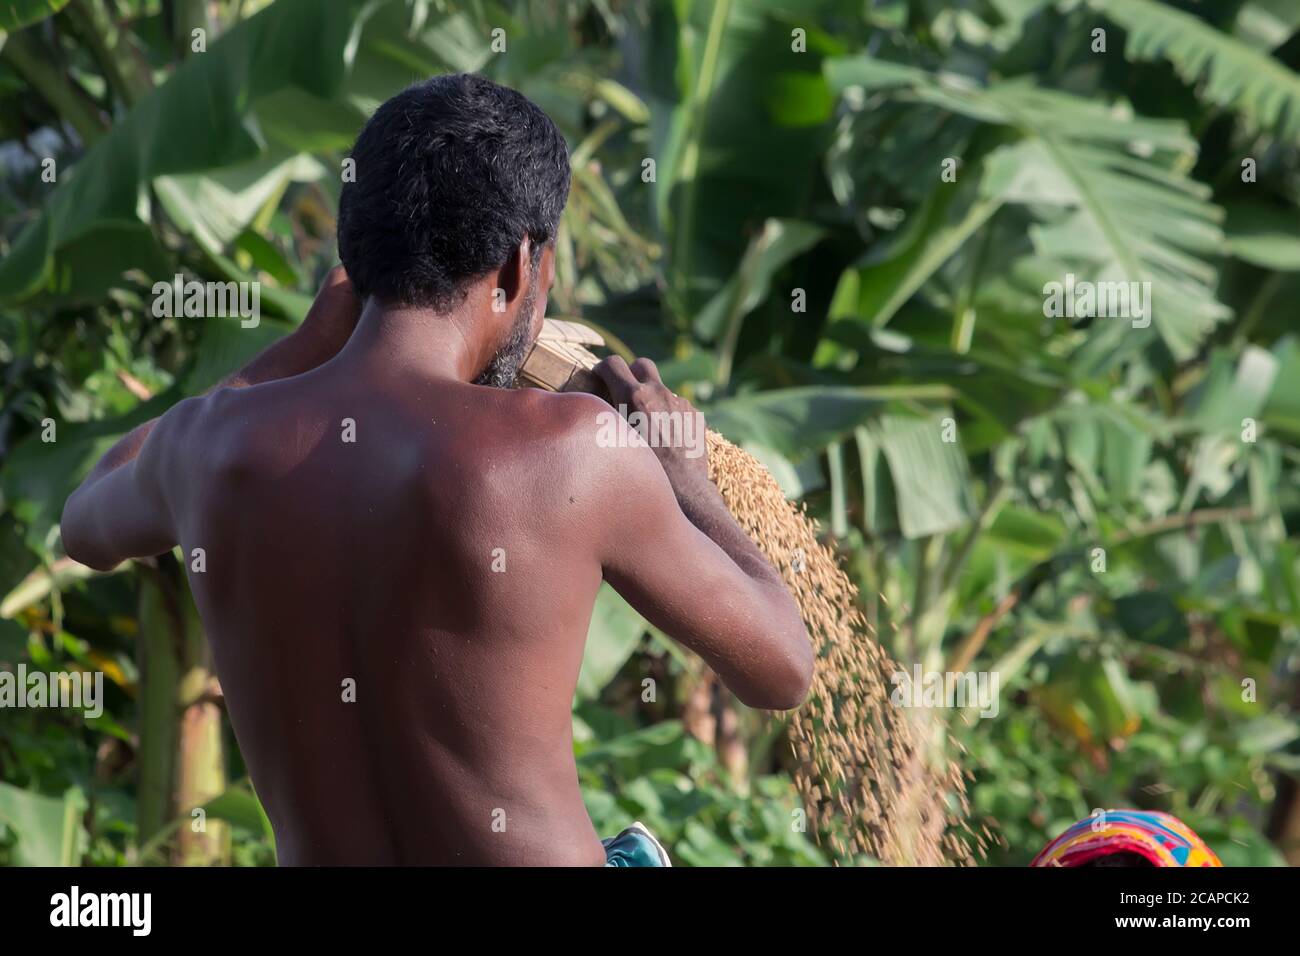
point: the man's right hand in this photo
(638, 388)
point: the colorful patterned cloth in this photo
(1163, 840)
(635, 846)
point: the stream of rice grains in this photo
(869, 778)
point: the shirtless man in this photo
(374, 505)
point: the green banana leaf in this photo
(48, 829)
(16, 14)
(203, 118)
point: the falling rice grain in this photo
(865, 772)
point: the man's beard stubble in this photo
(503, 368)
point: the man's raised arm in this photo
(121, 510)
(677, 555)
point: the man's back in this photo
(397, 593)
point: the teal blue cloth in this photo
(635, 846)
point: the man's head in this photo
(457, 198)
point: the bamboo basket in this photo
(561, 359)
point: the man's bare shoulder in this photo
(172, 434)
(572, 437)
(584, 423)
(197, 417)
(230, 430)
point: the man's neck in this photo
(400, 341)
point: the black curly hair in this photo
(451, 174)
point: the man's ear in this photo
(512, 278)
(548, 266)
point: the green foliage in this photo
(202, 118)
(45, 831)
(673, 784)
(16, 14)
(1255, 84)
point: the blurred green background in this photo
(759, 202)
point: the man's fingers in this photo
(616, 375)
(645, 370)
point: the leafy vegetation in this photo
(835, 222)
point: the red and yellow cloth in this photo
(1163, 840)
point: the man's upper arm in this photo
(125, 513)
(688, 587)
